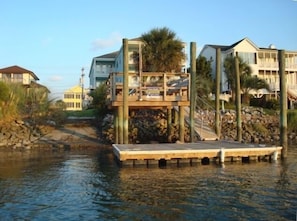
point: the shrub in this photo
(292, 120)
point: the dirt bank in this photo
(75, 133)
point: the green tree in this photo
(247, 81)
(99, 99)
(162, 51)
(204, 81)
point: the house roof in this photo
(227, 47)
(17, 70)
(110, 55)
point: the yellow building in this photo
(74, 98)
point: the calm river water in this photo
(88, 185)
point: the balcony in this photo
(150, 89)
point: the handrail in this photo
(151, 86)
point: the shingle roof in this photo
(110, 55)
(227, 47)
(17, 70)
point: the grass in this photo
(83, 113)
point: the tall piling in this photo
(283, 103)
(238, 100)
(125, 92)
(218, 91)
(192, 90)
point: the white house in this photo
(263, 61)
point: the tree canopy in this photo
(247, 81)
(204, 81)
(162, 51)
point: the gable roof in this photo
(109, 55)
(17, 70)
(227, 47)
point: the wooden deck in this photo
(189, 153)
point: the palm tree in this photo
(247, 81)
(162, 51)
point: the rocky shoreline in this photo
(20, 135)
(145, 127)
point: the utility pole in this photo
(82, 87)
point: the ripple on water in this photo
(89, 186)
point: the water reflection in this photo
(88, 185)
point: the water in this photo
(88, 185)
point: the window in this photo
(247, 57)
(6, 77)
(69, 96)
(77, 105)
(69, 104)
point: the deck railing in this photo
(150, 86)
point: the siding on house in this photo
(263, 62)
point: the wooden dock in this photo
(202, 152)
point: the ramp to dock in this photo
(200, 126)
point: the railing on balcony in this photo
(150, 86)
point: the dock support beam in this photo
(181, 124)
(222, 155)
(218, 90)
(125, 92)
(169, 124)
(116, 126)
(283, 103)
(192, 90)
(120, 125)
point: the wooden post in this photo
(181, 124)
(283, 103)
(238, 100)
(175, 118)
(116, 126)
(169, 124)
(125, 92)
(218, 91)
(192, 90)
(120, 125)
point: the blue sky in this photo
(56, 38)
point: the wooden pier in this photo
(202, 152)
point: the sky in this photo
(57, 38)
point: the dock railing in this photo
(151, 86)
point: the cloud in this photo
(114, 38)
(55, 78)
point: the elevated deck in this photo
(150, 90)
(189, 153)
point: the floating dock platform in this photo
(202, 152)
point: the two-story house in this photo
(27, 78)
(76, 98)
(103, 65)
(263, 62)
(16, 74)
